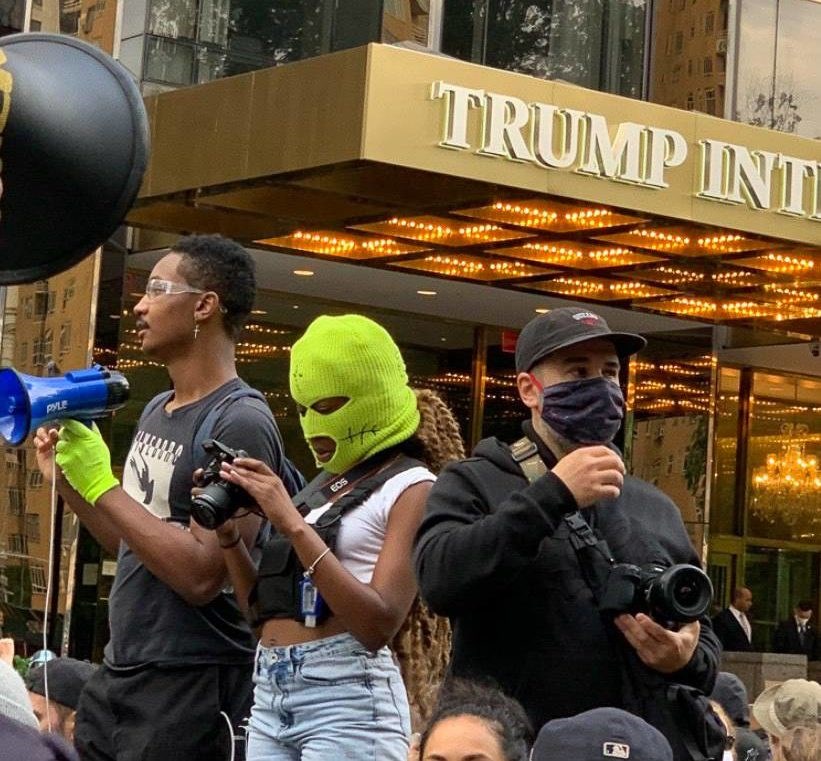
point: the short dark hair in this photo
(219, 264)
(804, 605)
(503, 715)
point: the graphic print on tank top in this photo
(148, 470)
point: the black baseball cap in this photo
(603, 734)
(566, 326)
(66, 679)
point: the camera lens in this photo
(681, 593)
(212, 506)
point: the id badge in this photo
(311, 604)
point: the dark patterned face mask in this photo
(587, 411)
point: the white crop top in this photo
(362, 529)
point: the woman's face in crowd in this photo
(463, 738)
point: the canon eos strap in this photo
(321, 490)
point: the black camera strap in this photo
(590, 548)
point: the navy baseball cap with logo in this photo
(564, 327)
(603, 734)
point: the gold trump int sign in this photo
(567, 139)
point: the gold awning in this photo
(392, 158)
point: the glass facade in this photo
(778, 83)
(194, 41)
(593, 43)
(689, 54)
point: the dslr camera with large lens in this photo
(670, 595)
(218, 500)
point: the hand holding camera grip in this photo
(84, 458)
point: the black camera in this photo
(670, 595)
(219, 500)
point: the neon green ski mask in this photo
(354, 357)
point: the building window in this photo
(42, 349)
(692, 31)
(33, 527)
(709, 23)
(16, 501)
(68, 293)
(690, 67)
(690, 101)
(710, 100)
(708, 65)
(679, 41)
(35, 479)
(38, 579)
(17, 544)
(65, 337)
(28, 307)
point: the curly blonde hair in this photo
(422, 645)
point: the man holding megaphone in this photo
(180, 652)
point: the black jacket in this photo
(730, 633)
(786, 640)
(493, 554)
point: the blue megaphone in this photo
(27, 401)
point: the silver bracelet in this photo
(311, 569)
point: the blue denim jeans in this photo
(329, 700)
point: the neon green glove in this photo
(85, 460)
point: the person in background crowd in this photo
(14, 698)
(24, 743)
(473, 721)
(732, 625)
(601, 734)
(494, 550)
(796, 635)
(180, 652)
(335, 582)
(731, 694)
(790, 712)
(729, 728)
(799, 744)
(63, 679)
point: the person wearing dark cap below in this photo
(493, 552)
(796, 635)
(601, 734)
(731, 694)
(54, 689)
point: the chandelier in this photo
(788, 486)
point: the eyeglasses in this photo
(159, 287)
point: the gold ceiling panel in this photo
(551, 216)
(440, 231)
(686, 241)
(600, 289)
(576, 255)
(717, 309)
(798, 262)
(788, 295)
(343, 245)
(472, 267)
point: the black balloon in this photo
(74, 147)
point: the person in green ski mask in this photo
(335, 581)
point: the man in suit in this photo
(732, 626)
(795, 635)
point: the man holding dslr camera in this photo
(180, 653)
(511, 550)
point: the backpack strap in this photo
(208, 419)
(526, 455)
